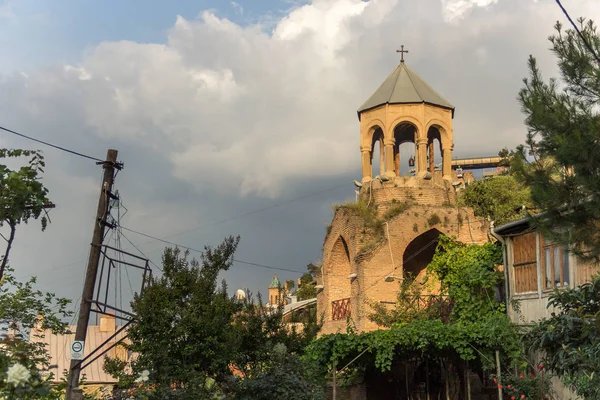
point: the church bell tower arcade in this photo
(405, 110)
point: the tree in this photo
(290, 285)
(25, 371)
(193, 340)
(183, 325)
(499, 198)
(22, 195)
(283, 377)
(306, 288)
(570, 338)
(560, 161)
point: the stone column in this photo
(389, 160)
(421, 156)
(397, 160)
(431, 158)
(381, 157)
(447, 163)
(366, 165)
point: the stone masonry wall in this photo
(373, 266)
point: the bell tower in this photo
(406, 110)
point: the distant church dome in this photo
(240, 295)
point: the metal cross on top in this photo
(402, 51)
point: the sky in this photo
(239, 118)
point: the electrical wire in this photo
(51, 145)
(585, 42)
(201, 251)
(277, 205)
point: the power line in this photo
(201, 251)
(277, 205)
(215, 223)
(51, 145)
(585, 42)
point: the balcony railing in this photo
(340, 309)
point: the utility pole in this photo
(92, 268)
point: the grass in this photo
(397, 208)
(434, 219)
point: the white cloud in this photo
(248, 112)
(457, 9)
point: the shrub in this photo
(434, 219)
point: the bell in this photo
(411, 161)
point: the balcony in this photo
(340, 309)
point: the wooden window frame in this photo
(524, 264)
(549, 281)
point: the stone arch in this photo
(433, 135)
(338, 268)
(374, 134)
(377, 148)
(436, 129)
(405, 140)
(418, 254)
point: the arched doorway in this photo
(339, 284)
(405, 135)
(418, 254)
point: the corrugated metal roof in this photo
(59, 347)
(404, 86)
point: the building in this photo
(392, 231)
(59, 347)
(535, 266)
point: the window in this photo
(525, 263)
(556, 265)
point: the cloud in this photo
(223, 118)
(244, 111)
(454, 10)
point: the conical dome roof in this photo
(404, 86)
(275, 282)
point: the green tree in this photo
(195, 341)
(284, 377)
(560, 161)
(499, 198)
(306, 288)
(22, 195)
(28, 312)
(183, 329)
(570, 338)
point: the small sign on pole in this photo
(77, 350)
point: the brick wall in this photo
(372, 267)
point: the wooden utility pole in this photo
(92, 268)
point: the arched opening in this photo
(339, 283)
(405, 135)
(377, 153)
(418, 255)
(434, 150)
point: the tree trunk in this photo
(8, 247)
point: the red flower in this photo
(522, 396)
(540, 367)
(495, 380)
(512, 398)
(499, 386)
(521, 376)
(508, 386)
(533, 375)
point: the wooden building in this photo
(535, 266)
